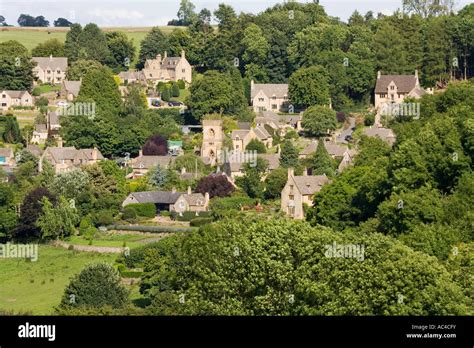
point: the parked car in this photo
(62, 103)
(156, 103)
(175, 103)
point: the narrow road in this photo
(341, 138)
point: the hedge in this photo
(151, 229)
(143, 209)
(200, 221)
(189, 215)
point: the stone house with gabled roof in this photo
(50, 69)
(385, 134)
(167, 69)
(143, 163)
(242, 137)
(299, 190)
(70, 89)
(65, 159)
(9, 98)
(395, 88)
(269, 96)
(235, 169)
(337, 152)
(173, 201)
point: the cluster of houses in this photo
(160, 69)
(267, 101)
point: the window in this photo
(291, 187)
(285, 97)
(48, 71)
(291, 197)
(181, 205)
(58, 71)
(392, 87)
(274, 106)
(4, 104)
(183, 70)
(400, 95)
(383, 95)
(261, 99)
(4, 95)
(274, 97)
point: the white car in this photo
(62, 103)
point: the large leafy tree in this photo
(78, 69)
(309, 86)
(274, 183)
(57, 222)
(215, 92)
(155, 146)
(289, 155)
(293, 275)
(154, 43)
(51, 47)
(122, 49)
(15, 66)
(319, 120)
(97, 285)
(11, 131)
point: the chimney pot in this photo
(140, 153)
(291, 172)
(378, 74)
(189, 190)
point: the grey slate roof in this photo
(72, 87)
(382, 133)
(51, 62)
(34, 149)
(270, 89)
(273, 162)
(53, 118)
(405, 83)
(194, 199)
(261, 133)
(41, 128)
(146, 162)
(156, 197)
(15, 94)
(309, 185)
(333, 149)
(6, 152)
(241, 133)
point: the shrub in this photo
(215, 185)
(97, 285)
(152, 229)
(223, 207)
(104, 218)
(340, 116)
(165, 213)
(291, 134)
(200, 221)
(189, 215)
(143, 209)
(369, 119)
(181, 84)
(129, 214)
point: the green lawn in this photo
(45, 89)
(183, 94)
(115, 241)
(37, 287)
(31, 37)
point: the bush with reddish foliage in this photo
(341, 117)
(156, 145)
(216, 185)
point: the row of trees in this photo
(26, 20)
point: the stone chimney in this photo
(305, 171)
(279, 149)
(378, 74)
(189, 190)
(173, 190)
(251, 84)
(60, 142)
(50, 57)
(166, 55)
(206, 198)
(140, 152)
(416, 73)
(291, 173)
(183, 54)
(95, 153)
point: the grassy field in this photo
(115, 241)
(30, 37)
(37, 287)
